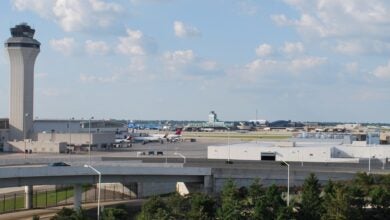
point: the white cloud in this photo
(65, 45)
(182, 30)
(185, 64)
(132, 44)
(261, 65)
(179, 56)
(137, 64)
(208, 65)
(247, 7)
(42, 7)
(263, 50)
(382, 72)
(293, 48)
(85, 78)
(276, 70)
(96, 47)
(351, 67)
(305, 63)
(334, 18)
(362, 46)
(349, 47)
(74, 15)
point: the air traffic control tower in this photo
(22, 49)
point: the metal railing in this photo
(60, 196)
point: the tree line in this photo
(366, 196)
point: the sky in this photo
(300, 60)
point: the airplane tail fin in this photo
(178, 131)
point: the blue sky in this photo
(304, 60)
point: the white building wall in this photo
(242, 152)
(379, 152)
(37, 147)
(313, 153)
(78, 138)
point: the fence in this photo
(59, 196)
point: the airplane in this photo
(124, 141)
(146, 138)
(170, 137)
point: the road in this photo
(195, 153)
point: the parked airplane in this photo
(170, 137)
(146, 138)
(125, 139)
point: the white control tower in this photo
(22, 49)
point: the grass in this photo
(244, 136)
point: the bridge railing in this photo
(60, 196)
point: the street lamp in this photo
(24, 135)
(369, 159)
(100, 180)
(288, 181)
(181, 155)
(70, 136)
(228, 159)
(90, 139)
(301, 157)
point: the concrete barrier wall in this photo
(37, 147)
(244, 177)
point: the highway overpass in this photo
(79, 175)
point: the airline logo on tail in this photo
(178, 131)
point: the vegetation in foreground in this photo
(365, 197)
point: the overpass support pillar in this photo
(77, 196)
(28, 199)
(208, 184)
(140, 190)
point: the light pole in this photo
(24, 135)
(100, 181)
(228, 140)
(288, 181)
(369, 159)
(70, 136)
(301, 157)
(181, 155)
(90, 139)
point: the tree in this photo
(380, 202)
(70, 214)
(177, 205)
(114, 214)
(357, 201)
(365, 181)
(268, 206)
(311, 204)
(230, 205)
(153, 208)
(337, 204)
(201, 207)
(256, 191)
(285, 212)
